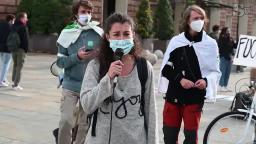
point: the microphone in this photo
(118, 54)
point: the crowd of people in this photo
(108, 87)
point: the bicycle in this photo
(235, 127)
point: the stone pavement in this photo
(29, 116)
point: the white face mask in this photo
(84, 18)
(197, 25)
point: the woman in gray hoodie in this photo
(112, 88)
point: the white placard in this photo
(246, 51)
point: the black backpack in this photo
(242, 100)
(13, 40)
(143, 76)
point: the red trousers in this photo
(173, 115)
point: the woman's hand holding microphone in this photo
(115, 69)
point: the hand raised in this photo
(82, 54)
(115, 69)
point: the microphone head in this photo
(119, 54)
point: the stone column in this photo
(243, 25)
(243, 21)
(214, 17)
(121, 6)
(179, 9)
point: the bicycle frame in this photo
(251, 113)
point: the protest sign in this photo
(246, 51)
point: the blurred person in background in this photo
(226, 48)
(19, 54)
(5, 54)
(215, 32)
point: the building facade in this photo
(238, 15)
(103, 8)
(8, 6)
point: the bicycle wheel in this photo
(228, 128)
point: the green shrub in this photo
(46, 16)
(144, 20)
(163, 21)
(191, 2)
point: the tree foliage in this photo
(144, 20)
(191, 2)
(163, 21)
(46, 16)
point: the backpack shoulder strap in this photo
(142, 72)
(143, 76)
(94, 122)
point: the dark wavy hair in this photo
(106, 55)
(10, 17)
(223, 33)
(215, 28)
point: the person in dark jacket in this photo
(18, 55)
(226, 48)
(189, 75)
(215, 32)
(5, 54)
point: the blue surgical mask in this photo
(126, 45)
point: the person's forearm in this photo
(92, 96)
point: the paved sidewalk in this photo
(29, 116)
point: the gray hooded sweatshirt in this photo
(127, 126)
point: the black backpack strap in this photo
(143, 76)
(94, 122)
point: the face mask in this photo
(126, 45)
(197, 25)
(84, 19)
